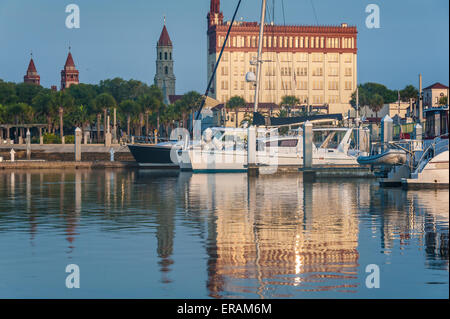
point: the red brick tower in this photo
(69, 75)
(215, 17)
(32, 76)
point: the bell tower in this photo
(32, 76)
(69, 75)
(165, 77)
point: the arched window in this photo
(160, 55)
(166, 70)
(171, 55)
(165, 55)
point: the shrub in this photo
(51, 139)
(69, 139)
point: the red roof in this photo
(164, 39)
(31, 67)
(436, 85)
(69, 61)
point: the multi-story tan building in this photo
(433, 94)
(317, 64)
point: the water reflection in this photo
(273, 236)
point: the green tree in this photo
(443, 101)
(128, 109)
(235, 103)
(376, 103)
(8, 93)
(190, 102)
(409, 92)
(289, 101)
(168, 115)
(102, 103)
(2, 114)
(62, 100)
(25, 92)
(44, 105)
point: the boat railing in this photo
(149, 139)
(433, 149)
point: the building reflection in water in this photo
(273, 236)
(276, 231)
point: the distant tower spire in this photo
(69, 75)
(165, 78)
(32, 76)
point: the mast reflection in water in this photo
(147, 234)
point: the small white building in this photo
(433, 93)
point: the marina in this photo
(293, 176)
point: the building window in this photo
(317, 57)
(318, 99)
(302, 85)
(318, 72)
(333, 57)
(302, 71)
(348, 71)
(333, 85)
(317, 85)
(160, 55)
(165, 55)
(348, 85)
(224, 71)
(166, 70)
(333, 99)
(333, 71)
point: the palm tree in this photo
(44, 105)
(128, 108)
(62, 100)
(289, 101)
(190, 103)
(20, 112)
(149, 104)
(101, 103)
(235, 103)
(376, 103)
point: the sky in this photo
(118, 38)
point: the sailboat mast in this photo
(259, 58)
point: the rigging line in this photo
(217, 63)
(314, 11)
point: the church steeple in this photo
(165, 78)
(32, 76)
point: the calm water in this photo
(143, 234)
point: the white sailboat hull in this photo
(434, 174)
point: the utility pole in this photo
(357, 105)
(420, 99)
